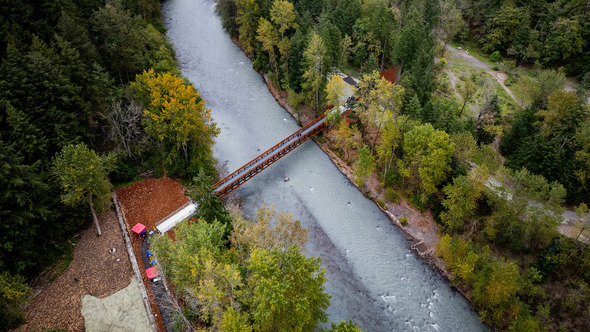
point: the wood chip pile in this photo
(58, 305)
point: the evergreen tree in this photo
(39, 84)
(345, 15)
(247, 19)
(315, 75)
(296, 67)
(120, 40)
(228, 10)
(25, 206)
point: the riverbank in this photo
(421, 229)
(373, 278)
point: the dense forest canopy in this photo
(553, 33)
(62, 67)
(298, 44)
(70, 124)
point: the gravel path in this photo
(147, 202)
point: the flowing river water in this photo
(374, 278)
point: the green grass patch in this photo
(507, 104)
(479, 55)
(520, 87)
(464, 72)
(63, 262)
(509, 81)
(461, 70)
(473, 51)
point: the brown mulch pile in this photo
(147, 202)
(58, 305)
(150, 200)
(390, 74)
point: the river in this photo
(374, 278)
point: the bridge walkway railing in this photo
(256, 165)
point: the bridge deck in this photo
(256, 165)
(248, 171)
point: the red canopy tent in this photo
(152, 272)
(139, 229)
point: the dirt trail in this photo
(569, 216)
(455, 54)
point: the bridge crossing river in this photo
(267, 158)
(226, 185)
(373, 277)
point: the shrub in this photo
(123, 172)
(509, 65)
(495, 56)
(403, 220)
(509, 81)
(14, 293)
(392, 177)
(391, 195)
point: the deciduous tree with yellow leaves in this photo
(263, 283)
(175, 116)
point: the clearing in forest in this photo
(97, 272)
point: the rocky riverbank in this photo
(421, 229)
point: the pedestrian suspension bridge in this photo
(228, 184)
